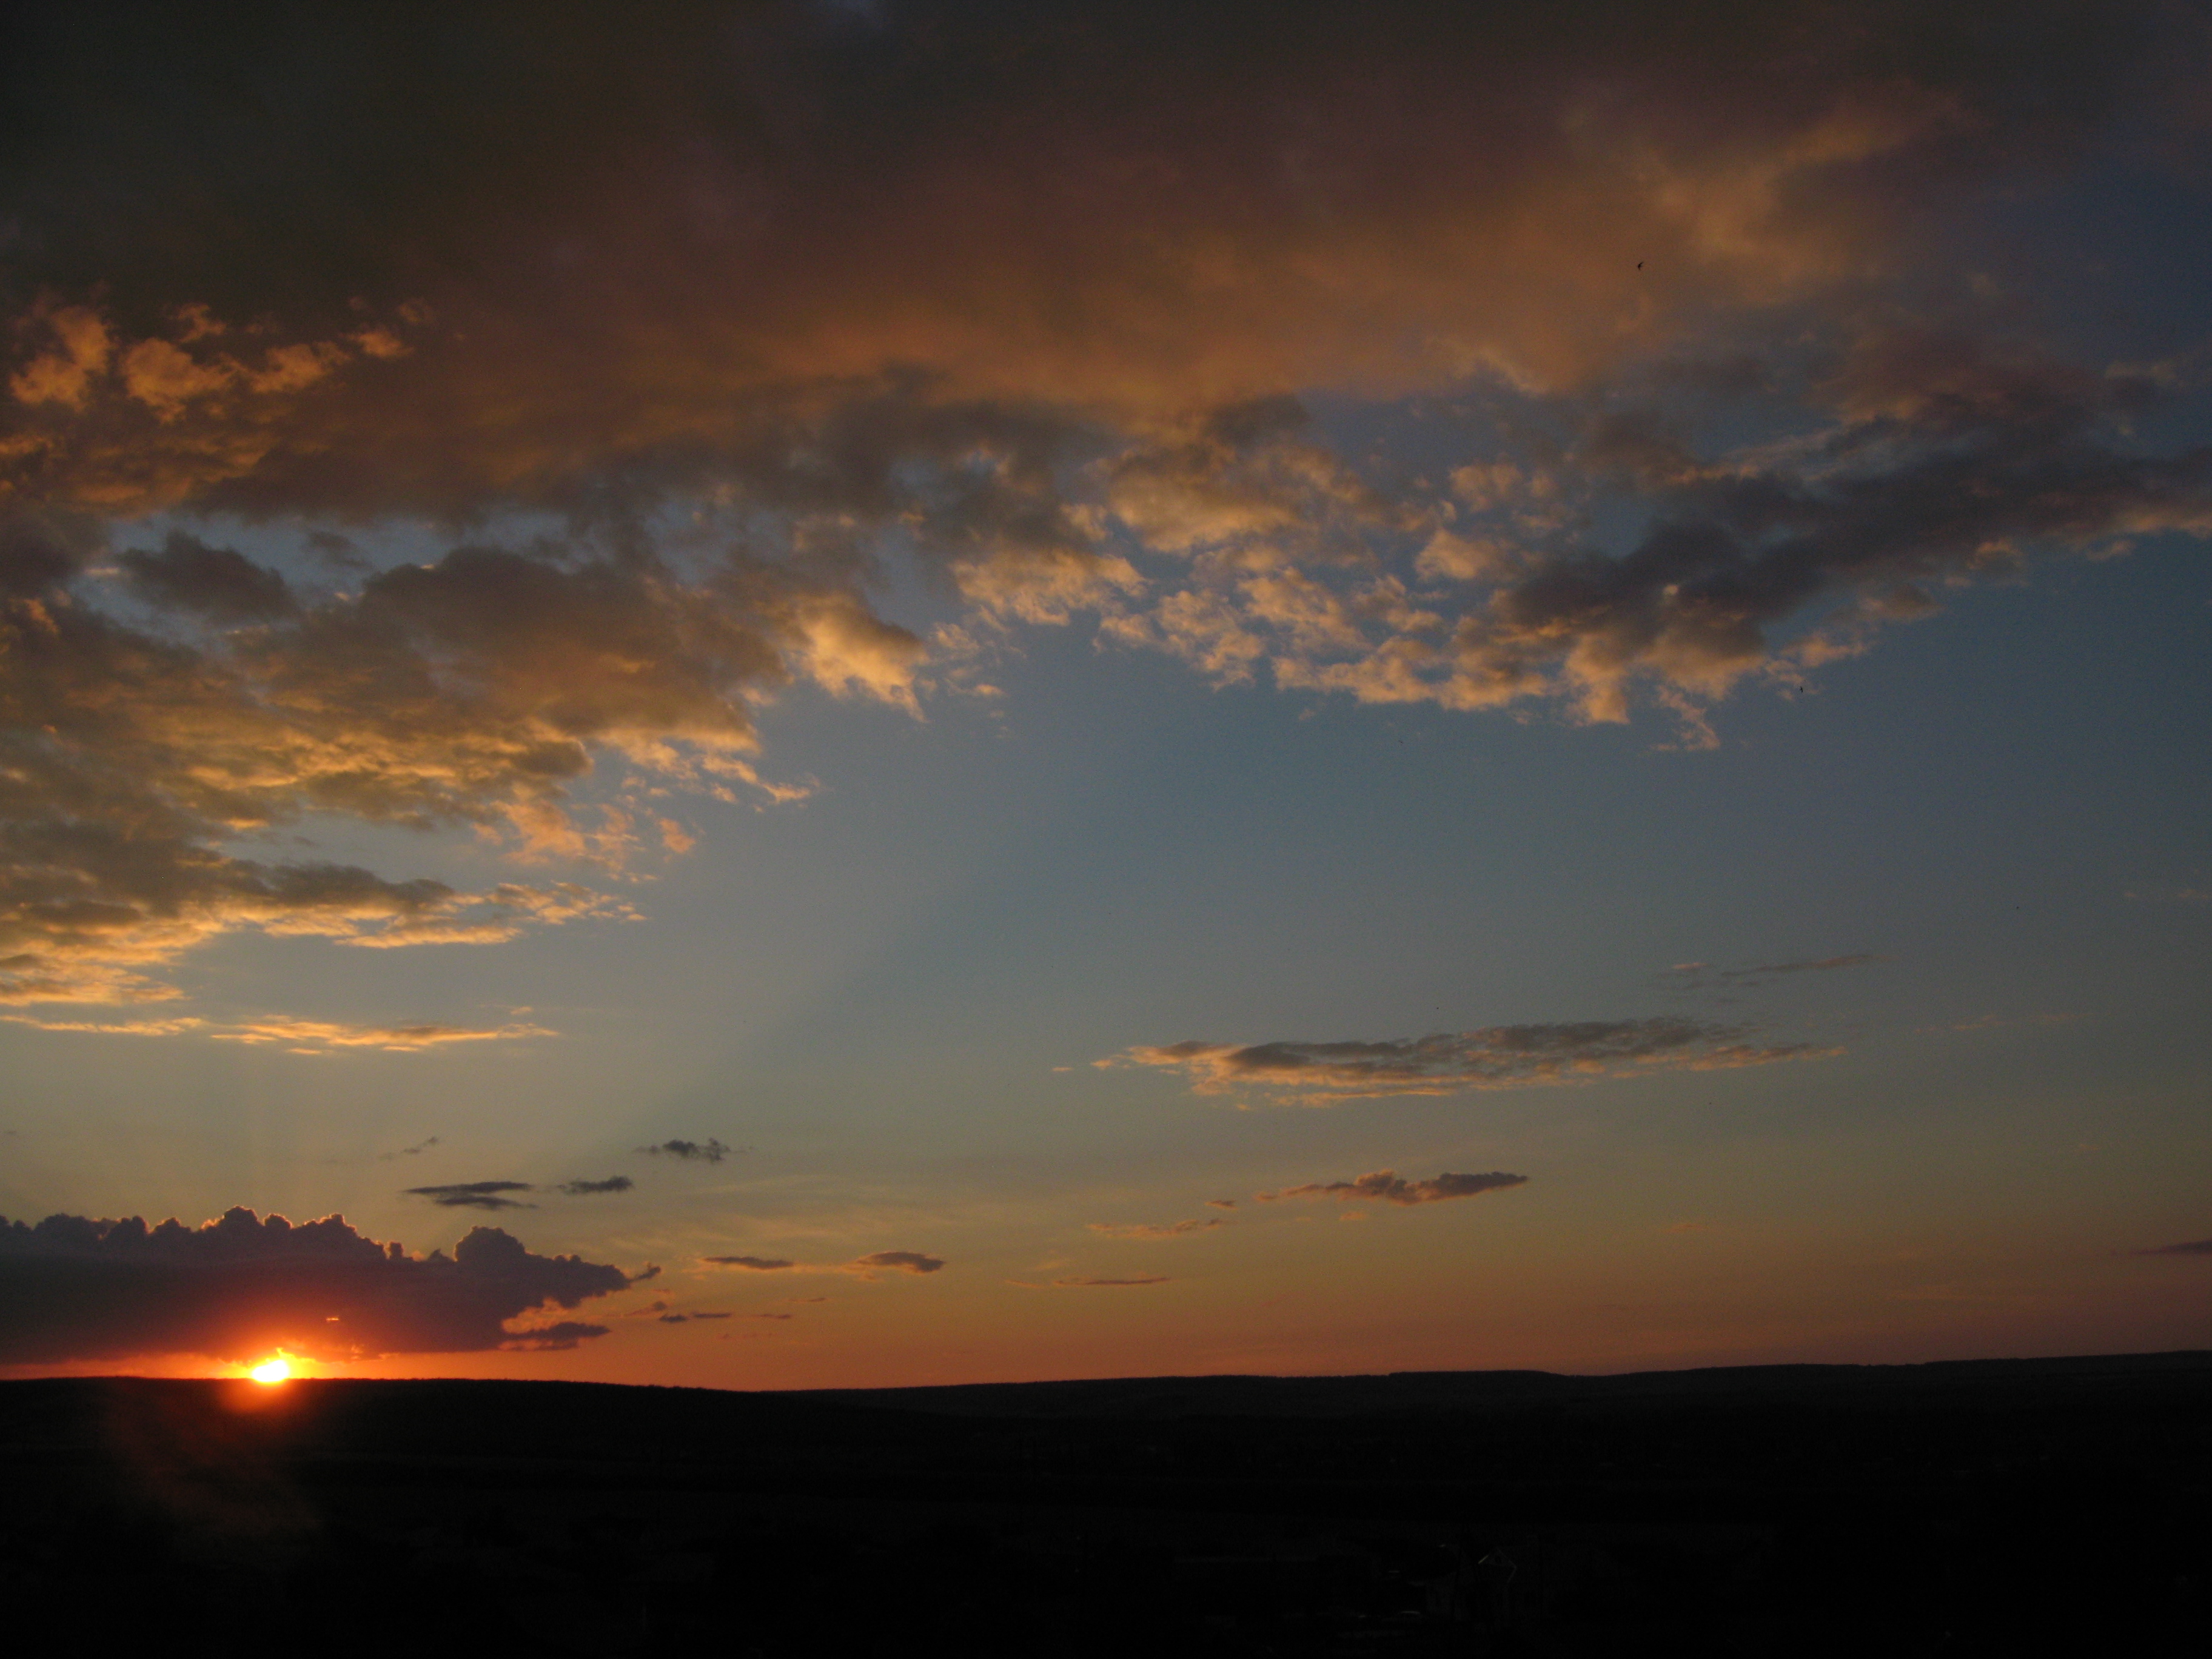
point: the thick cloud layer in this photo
(1452, 1062)
(677, 340)
(236, 1288)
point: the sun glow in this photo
(269, 1372)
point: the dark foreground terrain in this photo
(2043, 1506)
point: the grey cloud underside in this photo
(1388, 1187)
(689, 1152)
(586, 1188)
(474, 1194)
(772, 305)
(1497, 1057)
(76, 1289)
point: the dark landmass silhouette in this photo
(2030, 1505)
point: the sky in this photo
(845, 695)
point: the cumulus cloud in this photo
(774, 307)
(474, 1194)
(72, 1288)
(689, 1152)
(1172, 1230)
(1447, 1063)
(1388, 1187)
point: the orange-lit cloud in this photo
(1032, 305)
(867, 1267)
(1141, 1231)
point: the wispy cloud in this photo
(2195, 1247)
(1388, 1187)
(1497, 1057)
(1110, 1284)
(866, 1266)
(1141, 1230)
(298, 1035)
(1703, 976)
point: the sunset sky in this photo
(944, 691)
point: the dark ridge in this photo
(2026, 1505)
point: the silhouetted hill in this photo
(1808, 1509)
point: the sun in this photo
(269, 1372)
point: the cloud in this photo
(2195, 1247)
(1702, 975)
(1173, 1230)
(867, 1267)
(902, 1262)
(308, 1035)
(773, 308)
(298, 1037)
(474, 1194)
(1497, 1057)
(691, 1152)
(72, 1288)
(1109, 1284)
(415, 1151)
(1388, 1187)
(584, 1189)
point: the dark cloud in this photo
(1497, 1057)
(1109, 1284)
(474, 1194)
(214, 582)
(691, 1152)
(76, 1289)
(415, 1151)
(1388, 1187)
(759, 1264)
(562, 1334)
(584, 1189)
(2195, 1247)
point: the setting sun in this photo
(271, 1370)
